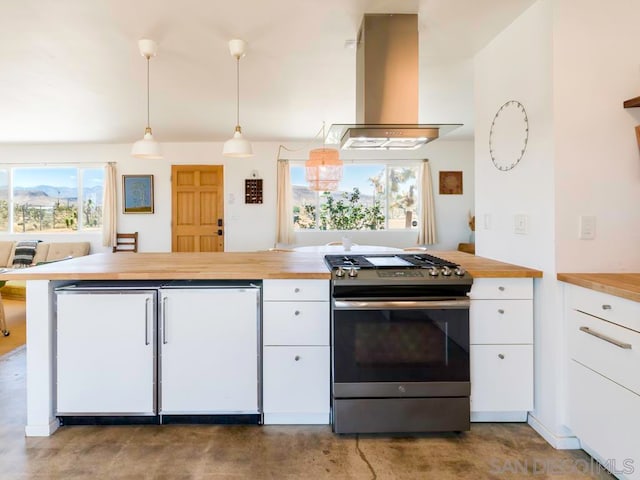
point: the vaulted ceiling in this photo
(70, 70)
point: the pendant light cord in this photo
(237, 90)
(305, 147)
(148, 123)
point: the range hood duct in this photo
(387, 83)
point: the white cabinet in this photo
(296, 358)
(105, 351)
(603, 335)
(209, 351)
(501, 349)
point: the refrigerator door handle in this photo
(164, 320)
(146, 321)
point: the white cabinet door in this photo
(604, 416)
(501, 378)
(296, 323)
(105, 353)
(209, 351)
(296, 384)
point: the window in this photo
(370, 197)
(50, 199)
(4, 200)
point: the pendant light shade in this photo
(323, 169)
(237, 146)
(147, 148)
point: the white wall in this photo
(248, 227)
(572, 68)
(517, 65)
(596, 67)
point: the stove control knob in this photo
(340, 272)
(353, 272)
(459, 271)
(433, 272)
(446, 271)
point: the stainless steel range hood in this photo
(387, 71)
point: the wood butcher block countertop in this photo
(624, 285)
(226, 265)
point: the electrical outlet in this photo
(521, 224)
(587, 227)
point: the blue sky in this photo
(352, 176)
(56, 177)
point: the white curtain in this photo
(285, 211)
(427, 235)
(109, 206)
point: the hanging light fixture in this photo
(237, 146)
(147, 148)
(323, 169)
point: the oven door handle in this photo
(401, 304)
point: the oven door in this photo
(413, 348)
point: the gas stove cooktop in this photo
(390, 266)
(387, 260)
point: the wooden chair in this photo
(126, 242)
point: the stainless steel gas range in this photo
(399, 343)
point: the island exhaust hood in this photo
(387, 71)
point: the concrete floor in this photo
(488, 451)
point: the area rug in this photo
(16, 314)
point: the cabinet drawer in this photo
(501, 378)
(296, 379)
(609, 307)
(501, 321)
(604, 416)
(304, 290)
(493, 288)
(296, 323)
(613, 361)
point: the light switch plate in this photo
(487, 221)
(587, 227)
(521, 224)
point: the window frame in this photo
(387, 164)
(80, 168)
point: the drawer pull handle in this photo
(296, 290)
(296, 358)
(501, 356)
(606, 307)
(617, 343)
(501, 289)
(297, 312)
(500, 311)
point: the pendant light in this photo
(323, 169)
(147, 148)
(237, 146)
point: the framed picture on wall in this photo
(137, 193)
(450, 183)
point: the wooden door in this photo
(197, 208)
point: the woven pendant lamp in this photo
(323, 169)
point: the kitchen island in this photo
(131, 267)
